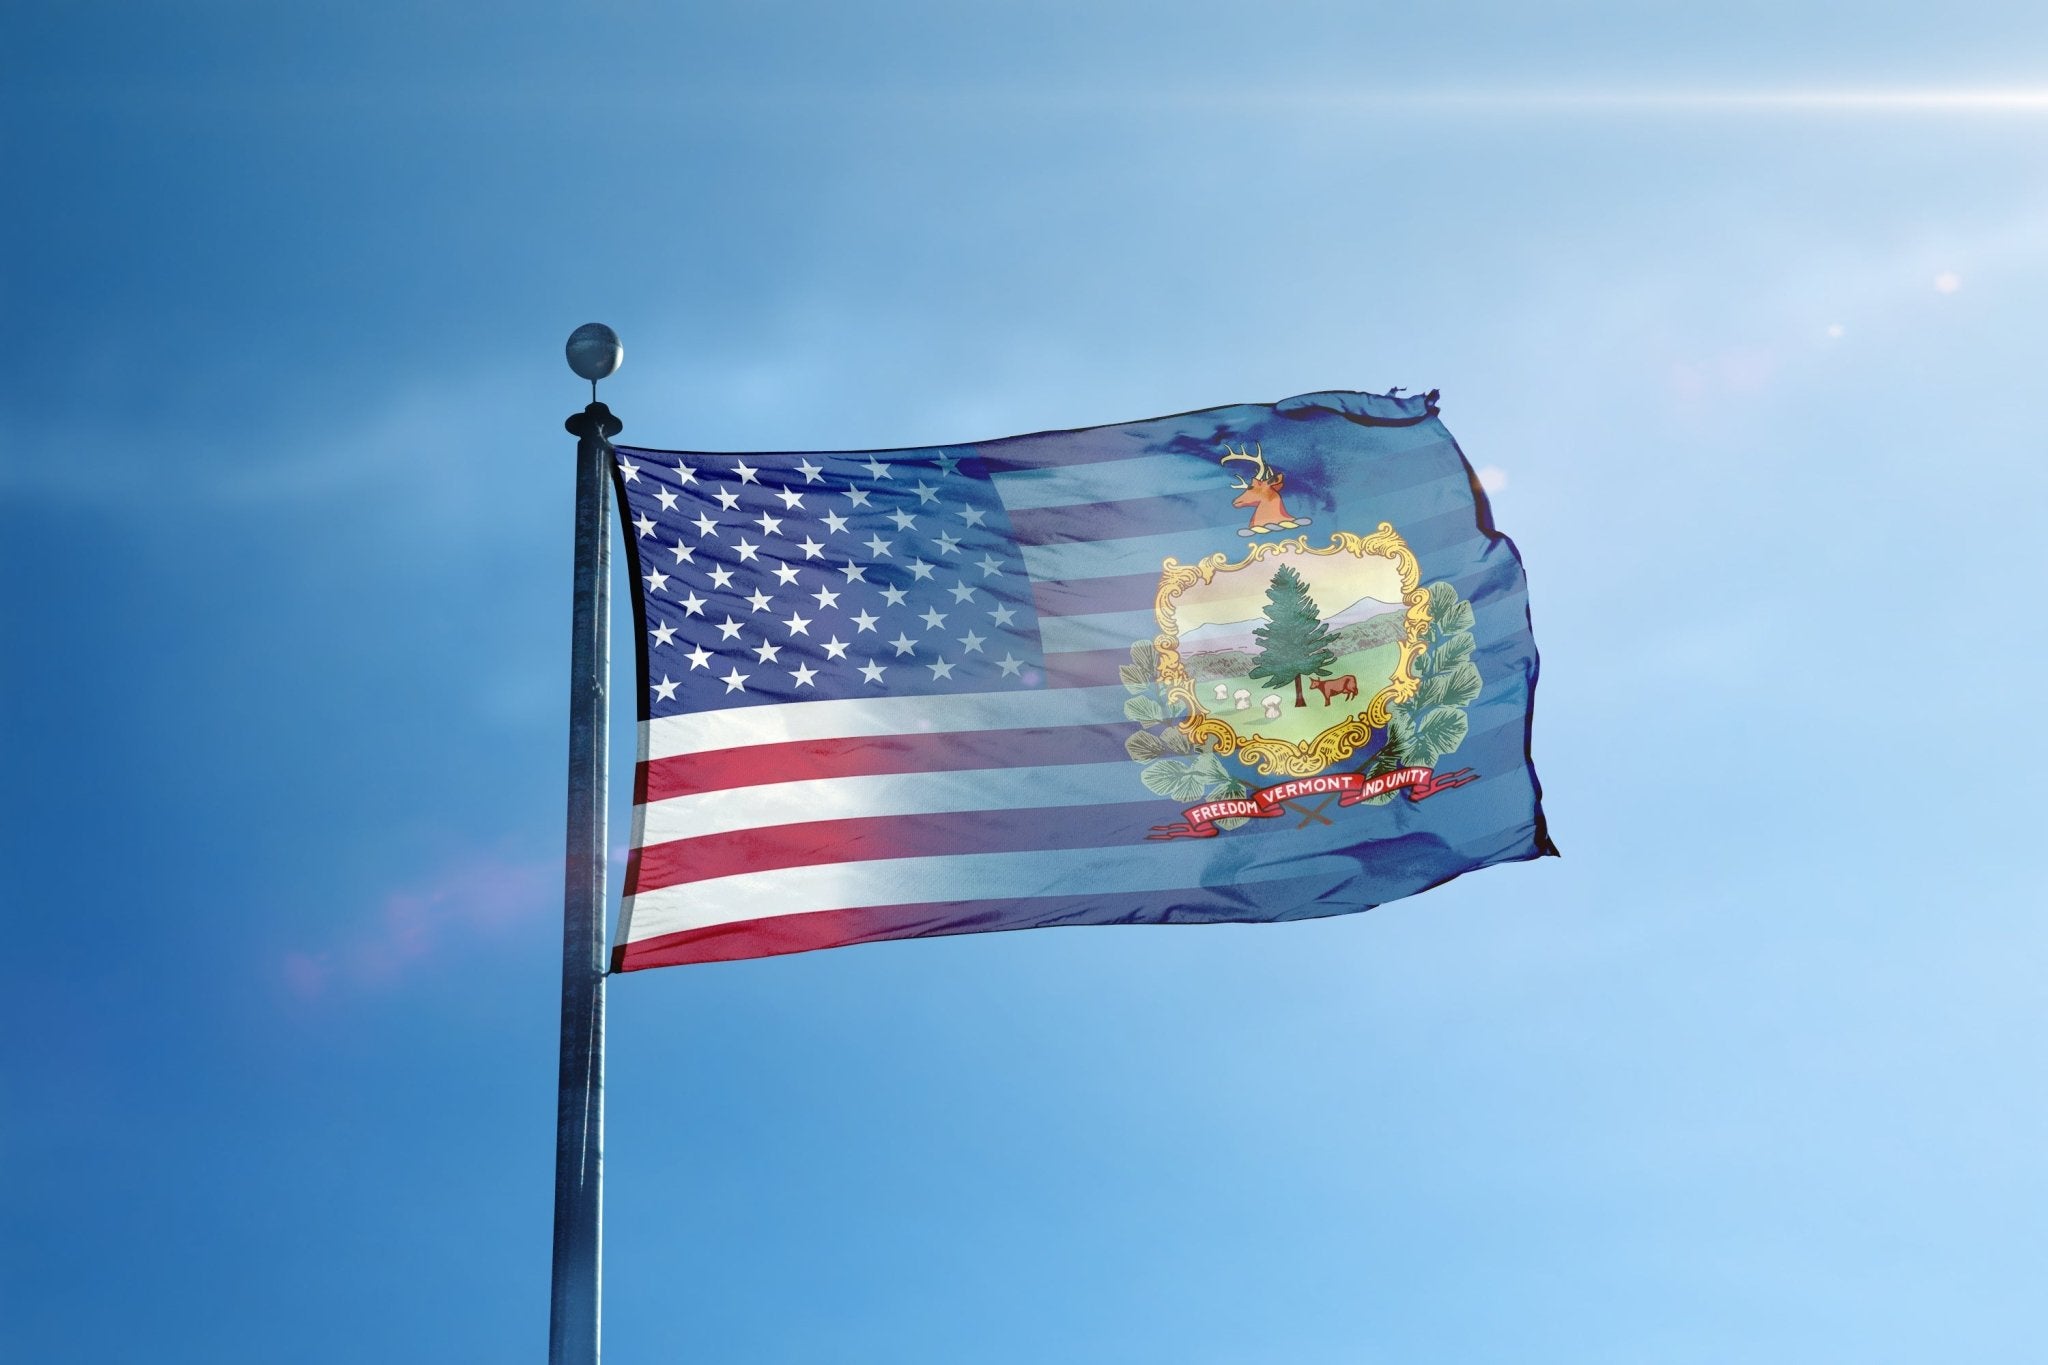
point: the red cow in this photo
(1333, 688)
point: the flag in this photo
(1260, 662)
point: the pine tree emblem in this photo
(1294, 643)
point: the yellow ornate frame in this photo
(1293, 758)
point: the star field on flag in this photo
(836, 576)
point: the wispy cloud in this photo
(414, 445)
(469, 900)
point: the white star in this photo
(972, 515)
(745, 549)
(734, 681)
(643, 524)
(948, 545)
(857, 497)
(727, 498)
(803, 673)
(663, 633)
(877, 468)
(667, 499)
(684, 554)
(920, 570)
(791, 499)
(834, 649)
(729, 630)
(798, 625)
(871, 671)
(785, 574)
(834, 523)
(770, 526)
(1009, 663)
(705, 525)
(745, 471)
(628, 471)
(989, 564)
(904, 644)
(656, 580)
(948, 462)
(809, 471)
(699, 657)
(766, 652)
(693, 605)
(759, 600)
(925, 493)
(1001, 615)
(961, 592)
(825, 597)
(893, 596)
(904, 521)
(972, 643)
(940, 669)
(684, 474)
(878, 547)
(864, 622)
(933, 618)
(665, 690)
(854, 572)
(811, 548)
(721, 577)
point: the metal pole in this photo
(573, 1319)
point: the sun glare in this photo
(2010, 100)
(1959, 101)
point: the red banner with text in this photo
(1199, 822)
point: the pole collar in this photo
(595, 420)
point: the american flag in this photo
(882, 693)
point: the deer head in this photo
(1261, 490)
(1264, 483)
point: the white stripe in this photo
(913, 881)
(1142, 867)
(738, 726)
(1152, 476)
(1101, 630)
(846, 798)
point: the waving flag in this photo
(1251, 663)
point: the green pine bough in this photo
(1173, 766)
(1427, 727)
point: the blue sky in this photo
(1753, 1072)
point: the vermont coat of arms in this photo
(1320, 659)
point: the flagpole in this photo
(574, 1316)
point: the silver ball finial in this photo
(594, 352)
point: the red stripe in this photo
(805, 932)
(869, 755)
(1091, 521)
(1079, 596)
(814, 843)
(1057, 449)
(867, 924)
(753, 938)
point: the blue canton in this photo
(781, 578)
